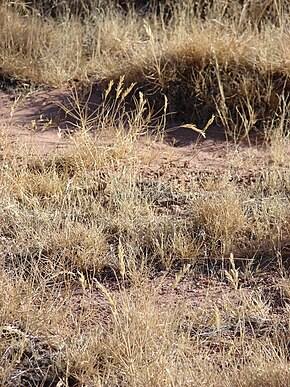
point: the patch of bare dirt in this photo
(33, 119)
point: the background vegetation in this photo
(229, 58)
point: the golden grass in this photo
(67, 220)
(102, 282)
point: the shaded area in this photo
(180, 137)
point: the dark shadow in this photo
(181, 137)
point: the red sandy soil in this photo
(26, 120)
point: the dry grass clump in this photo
(138, 341)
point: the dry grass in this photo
(203, 67)
(102, 281)
(68, 221)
